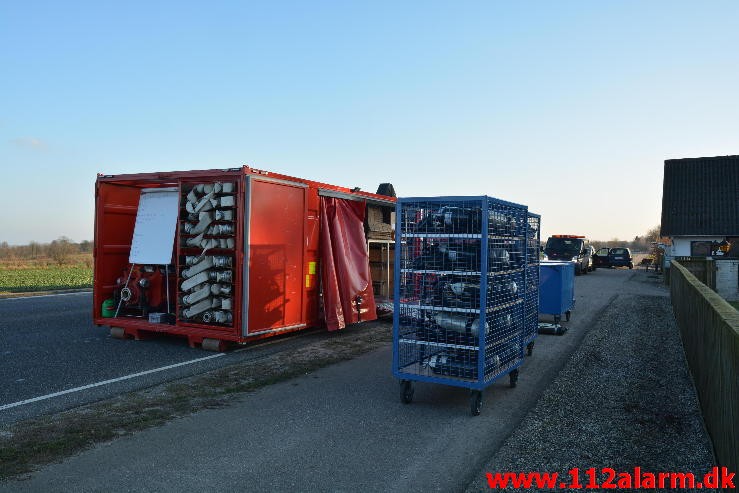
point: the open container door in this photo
(115, 216)
(348, 296)
(277, 290)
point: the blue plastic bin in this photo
(556, 288)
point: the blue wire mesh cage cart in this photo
(531, 302)
(460, 292)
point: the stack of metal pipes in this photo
(206, 280)
(210, 211)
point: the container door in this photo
(275, 250)
(115, 215)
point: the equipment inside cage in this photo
(463, 292)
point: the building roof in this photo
(700, 196)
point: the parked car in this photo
(600, 258)
(620, 257)
(569, 248)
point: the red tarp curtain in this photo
(345, 271)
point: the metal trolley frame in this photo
(533, 240)
(461, 291)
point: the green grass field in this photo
(30, 278)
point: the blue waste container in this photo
(556, 289)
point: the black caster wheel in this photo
(567, 315)
(406, 391)
(513, 377)
(475, 402)
(530, 349)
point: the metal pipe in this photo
(120, 302)
(194, 281)
(198, 295)
(205, 264)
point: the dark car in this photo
(600, 258)
(569, 248)
(620, 257)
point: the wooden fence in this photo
(709, 328)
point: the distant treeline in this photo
(638, 244)
(60, 250)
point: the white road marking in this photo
(106, 382)
(45, 296)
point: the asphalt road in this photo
(48, 344)
(341, 428)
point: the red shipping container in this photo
(249, 250)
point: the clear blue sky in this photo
(568, 107)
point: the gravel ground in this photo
(624, 399)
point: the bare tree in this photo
(34, 249)
(653, 234)
(60, 249)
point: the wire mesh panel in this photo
(459, 280)
(533, 241)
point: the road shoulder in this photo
(28, 444)
(625, 399)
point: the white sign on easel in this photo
(156, 223)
